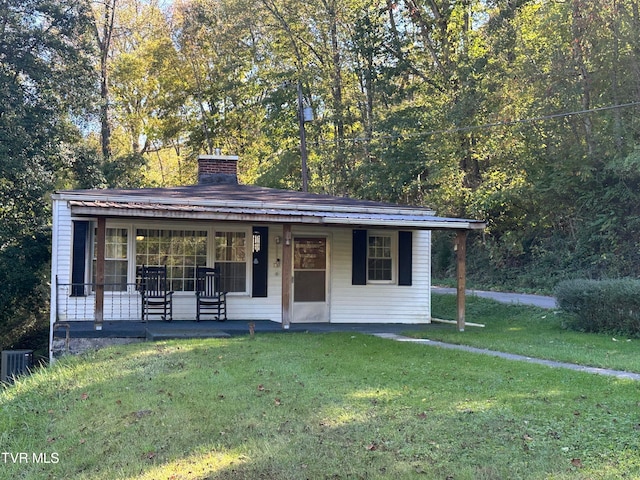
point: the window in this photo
(180, 250)
(115, 259)
(231, 259)
(379, 258)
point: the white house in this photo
(284, 256)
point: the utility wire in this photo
(503, 123)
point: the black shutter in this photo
(359, 258)
(260, 261)
(79, 257)
(405, 258)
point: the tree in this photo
(477, 108)
(104, 12)
(45, 77)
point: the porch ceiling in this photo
(255, 204)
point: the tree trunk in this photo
(103, 40)
(336, 91)
(578, 27)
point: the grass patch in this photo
(332, 406)
(534, 332)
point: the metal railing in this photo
(77, 302)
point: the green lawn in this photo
(317, 406)
(534, 332)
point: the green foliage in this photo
(463, 107)
(45, 77)
(24, 268)
(609, 306)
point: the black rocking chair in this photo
(156, 298)
(209, 299)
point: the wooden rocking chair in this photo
(209, 299)
(156, 298)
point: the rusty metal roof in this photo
(254, 204)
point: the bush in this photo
(603, 306)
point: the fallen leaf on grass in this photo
(84, 396)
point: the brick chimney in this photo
(215, 169)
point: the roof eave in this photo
(283, 216)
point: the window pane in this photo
(179, 250)
(232, 276)
(230, 248)
(379, 263)
(115, 275)
(379, 269)
(310, 254)
(115, 253)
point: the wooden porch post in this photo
(100, 254)
(286, 275)
(461, 250)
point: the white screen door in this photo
(310, 280)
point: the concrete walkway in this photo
(511, 356)
(516, 298)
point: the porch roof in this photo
(232, 202)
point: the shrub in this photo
(604, 306)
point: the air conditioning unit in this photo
(15, 363)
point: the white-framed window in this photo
(116, 259)
(380, 257)
(128, 247)
(180, 250)
(230, 251)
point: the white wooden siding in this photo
(380, 303)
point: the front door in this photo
(310, 280)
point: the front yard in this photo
(296, 406)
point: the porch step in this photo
(159, 332)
